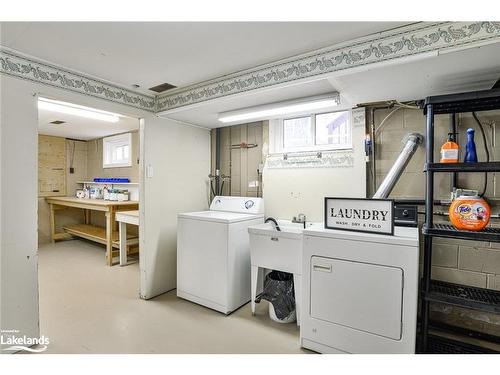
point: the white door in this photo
(363, 296)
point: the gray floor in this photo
(87, 307)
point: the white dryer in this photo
(360, 291)
(213, 252)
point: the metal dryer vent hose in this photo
(413, 140)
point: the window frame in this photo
(108, 146)
(277, 135)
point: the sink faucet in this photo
(301, 219)
(273, 220)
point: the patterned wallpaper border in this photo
(422, 37)
(20, 66)
(418, 38)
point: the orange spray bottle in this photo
(449, 150)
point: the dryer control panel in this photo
(248, 205)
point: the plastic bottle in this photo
(469, 213)
(449, 150)
(470, 148)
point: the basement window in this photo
(317, 132)
(117, 151)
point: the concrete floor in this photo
(87, 307)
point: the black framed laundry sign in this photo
(360, 214)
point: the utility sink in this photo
(277, 250)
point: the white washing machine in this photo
(213, 252)
(360, 291)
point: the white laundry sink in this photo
(277, 250)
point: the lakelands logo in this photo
(22, 343)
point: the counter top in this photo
(93, 202)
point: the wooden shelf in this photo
(98, 234)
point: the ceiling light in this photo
(76, 110)
(275, 110)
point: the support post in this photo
(429, 222)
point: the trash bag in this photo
(279, 291)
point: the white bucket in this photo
(272, 315)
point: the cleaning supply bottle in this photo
(449, 150)
(470, 148)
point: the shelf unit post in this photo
(429, 221)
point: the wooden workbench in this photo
(107, 236)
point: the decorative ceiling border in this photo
(422, 37)
(418, 38)
(18, 65)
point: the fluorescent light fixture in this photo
(76, 110)
(274, 110)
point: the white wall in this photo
(288, 192)
(18, 193)
(179, 157)
(18, 202)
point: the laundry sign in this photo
(361, 215)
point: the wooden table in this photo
(90, 232)
(124, 218)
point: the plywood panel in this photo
(240, 163)
(245, 161)
(51, 166)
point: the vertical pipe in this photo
(454, 138)
(374, 166)
(217, 161)
(429, 201)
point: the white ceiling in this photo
(473, 69)
(186, 53)
(180, 53)
(82, 128)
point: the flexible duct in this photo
(413, 140)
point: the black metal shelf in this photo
(443, 345)
(488, 234)
(465, 332)
(464, 102)
(433, 291)
(464, 296)
(463, 167)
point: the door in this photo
(174, 166)
(362, 296)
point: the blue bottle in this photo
(470, 148)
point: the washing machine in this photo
(213, 252)
(360, 291)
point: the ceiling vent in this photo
(162, 88)
(57, 122)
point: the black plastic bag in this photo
(279, 291)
